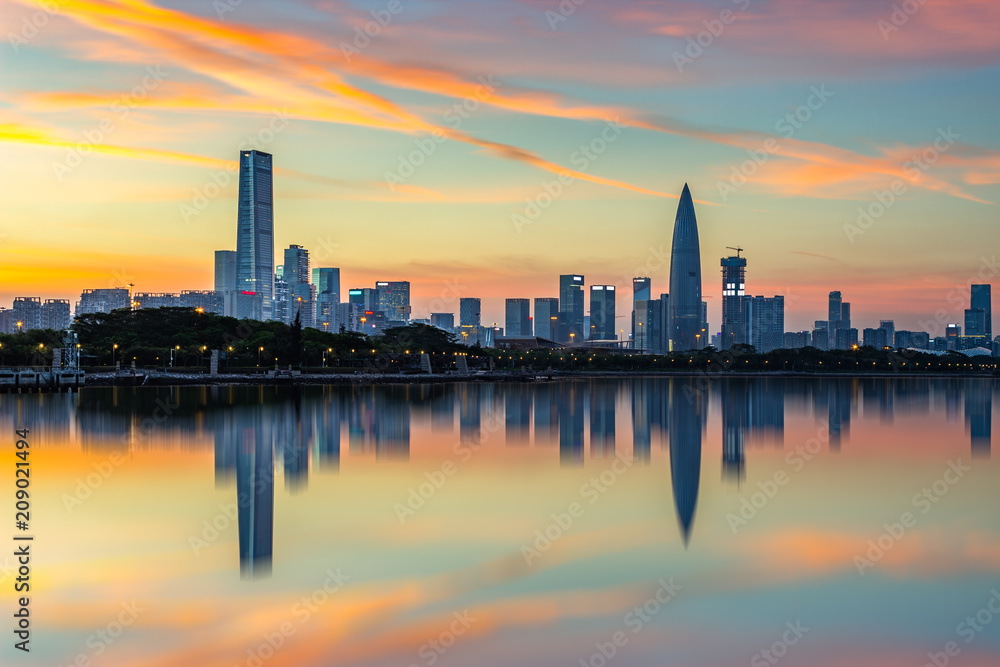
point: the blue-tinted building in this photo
(685, 305)
(571, 307)
(255, 228)
(602, 312)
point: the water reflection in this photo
(299, 430)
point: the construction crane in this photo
(737, 249)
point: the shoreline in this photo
(494, 377)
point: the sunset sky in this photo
(121, 122)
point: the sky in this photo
(480, 149)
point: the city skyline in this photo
(812, 173)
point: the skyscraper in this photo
(255, 228)
(571, 306)
(602, 312)
(835, 312)
(518, 317)
(685, 279)
(734, 330)
(766, 322)
(469, 312)
(546, 317)
(300, 292)
(982, 300)
(393, 300)
(225, 270)
(326, 282)
(642, 290)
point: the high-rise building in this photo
(255, 228)
(766, 320)
(734, 330)
(602, 312)
(392, 298)
(571, 307)
(102, 300)
(55, 314)
(546, 317)
(889, 335)
(649, 326)
(685, 316)
(225, 270)
(518, 317)
(444, 321)
(27, 312)
(845, 315)
(295, 274)
(326, 282)
(981, 299)
(835, 312)
(642, 290)
(469, 312)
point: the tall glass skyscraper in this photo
(684, 319)
(982, 300)
(571, 306)
(602, 312)
(255, 228)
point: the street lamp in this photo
(258, 354)
(19, 325)
(324, 355)
(114, 348)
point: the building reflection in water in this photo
(687, 415)
(256, 429)
(979, 415)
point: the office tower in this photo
(845, 315)
(846, 339)
(821, 335)
(685, 279)
(602, 312)
(326, 282)
(469, 312)
(641, 291)
(364, 297)
(546, 318)
(571, 307)
(796, 339)
(255, 229)
(733, 290)
(444, 321)
(649, 326)
(392, 299)
(348, 316)
(975, 322)
(888, 327)
(55, 314)
(835, 311)
(295, 270)
(664, 323)
(225, 270)
(518, 317)
(765, 318)
(981, 299)
(27, 313)
(279, 305)
(102, 300)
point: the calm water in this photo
(645, 522)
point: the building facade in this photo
(255, 228)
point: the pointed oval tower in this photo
(684, 309)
